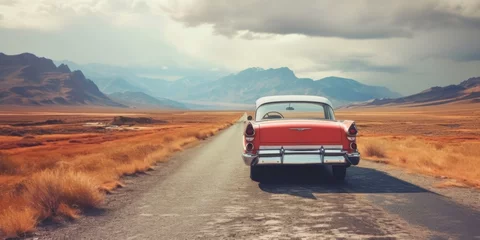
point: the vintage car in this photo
(296, 130)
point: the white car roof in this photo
(292, 98)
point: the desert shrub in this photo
(8, 165)
(373, 150)
(142, 151)
(29, 143)
(48, 190)
(120, 157)
(17, 222)
(168, 139)
(201, 135)
(65, 211)
(16, 133)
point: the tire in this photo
(339, 172)
(255, 173)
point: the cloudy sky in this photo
(404, 45)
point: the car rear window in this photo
(294, 110)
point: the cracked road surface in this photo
(205, 193)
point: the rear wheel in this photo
(339, 172)
(255, 173)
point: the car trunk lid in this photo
(300, 132)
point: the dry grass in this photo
(455, 160)
(374, 150)
(53, 192)
(451, 183)
(442, 141)
(69, 173)
(18, 222)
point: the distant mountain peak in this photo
(285, 71)
(253, 69)
(256, 74)
(78, 74)
(471, 82)
(64, 68)
(40, 64)
(259, 69)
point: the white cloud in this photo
(8, 2)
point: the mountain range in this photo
(243, 87)
(467, 91)
(29, 80)
(250, 84)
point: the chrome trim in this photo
(334, 151)
(269, 152)
(269, 160)
(303, 159)
(305, 154)
(248, 158)
(249, 139)
(354, 154)
(300, 129)
(301, 154)
(298, 151)
(334, 159)
(353, 158)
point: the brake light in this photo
(352, 130)
(249, 131)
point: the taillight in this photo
(249, 147)
(353, 146)
(352, 130)
(249, 131)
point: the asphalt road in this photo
(205, 193)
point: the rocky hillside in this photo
(26, 79)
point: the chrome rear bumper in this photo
(295, 155)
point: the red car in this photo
(295, 130)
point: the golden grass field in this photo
(441, 141)
(54, 171)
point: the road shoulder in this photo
(465, 196)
